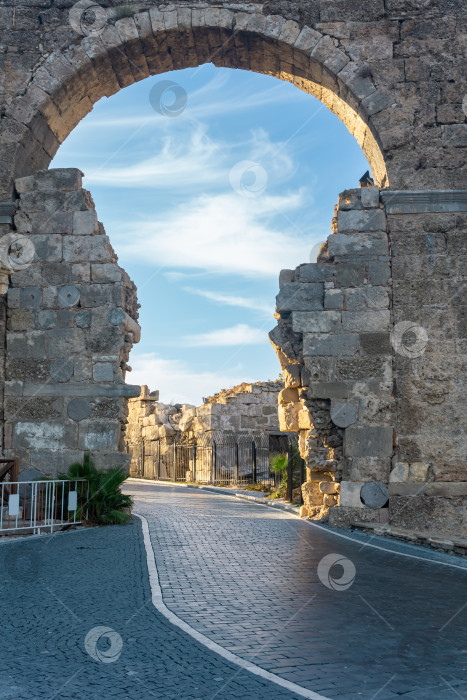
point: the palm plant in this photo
(106, 503)
(279, 462)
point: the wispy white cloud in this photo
(177, 382)
(201, 105)
(241, 334)
(223, 234)
(230, 300)
(191, 161)
(178, 163)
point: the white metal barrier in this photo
(39, 505)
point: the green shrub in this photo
(106, 503)
(278, 464)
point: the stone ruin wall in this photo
(154, 427)
(371, 339)
(71, 320)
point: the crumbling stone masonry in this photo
(245, 411)
(363, 337)
(71, 322)
(393, 71)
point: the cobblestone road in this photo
(246, 576)
(56, 590)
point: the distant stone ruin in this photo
(246, 412)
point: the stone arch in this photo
(63, 87)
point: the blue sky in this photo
(207, 190)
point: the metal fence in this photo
(236, 459)
(38, 505)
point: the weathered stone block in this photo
(333, 299)
(288, 395)
(51, 222)
(30, 344)
(369, 441)
(376, 343)
(288, 416)
(48, 247)
(98, 435)
(54, 461)
(304, 420)
(400, 472)
(361, 220)
(316, 321)
(343, 344)
(84, 223)
(350, 494)
(106, 272)
(56, 273)
(103, 372)
(61, 370)
(292, 375)
(330, 487)
(64, 179)
(369, 320)
(418, 471)
(65, 342)
(40, 435)
(369, 197)
(366, 298)
(14, 297)
(454, 135)
(81, 272)
(350, 274)
(300, 297)
(358, 245)
(314, 272)
(77, 248)
(83, 318)
(378, 272)
(19, 320)
(329, 390)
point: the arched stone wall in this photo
(393, 71)
(64, 85)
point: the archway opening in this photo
(78, 78)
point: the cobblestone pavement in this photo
(56, 590)
(247, 577)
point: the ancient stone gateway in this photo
(371, 402)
